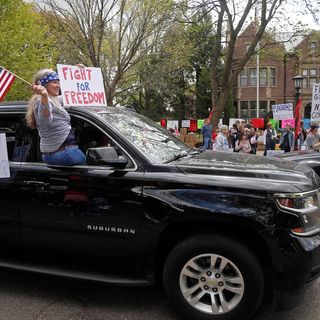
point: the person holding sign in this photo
(45, 112)
(287, 139)
(269, 138)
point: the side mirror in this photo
(105, 156)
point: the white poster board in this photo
(81, 86)
(315, 107)
(282, 111)
(173, 124)
(272, 153)
(185, 123)
(232, 121)
(4, 163)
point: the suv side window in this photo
(22, 141)
(90, 136)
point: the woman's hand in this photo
(40, 90)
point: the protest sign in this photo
(315, 107)
(185, 123)
(282, 111)
(173, 124)
(273, 153)
(289, 122)
(200, 123)
(232, 121)
(81, 86)
(4, 163)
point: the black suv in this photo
(216, 228)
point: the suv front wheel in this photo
(213, 277)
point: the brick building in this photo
(281, 57)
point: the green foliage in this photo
(203, 91)
(25, 45)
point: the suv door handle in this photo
(38, 184)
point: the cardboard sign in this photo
(288, 121)
(272, 153)
(315, 107)
(81, 86)
(282, 111)
(185, 123)
(173, 124)
(4, 163)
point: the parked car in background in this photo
(216, 229)
(309, 158)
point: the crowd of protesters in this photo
(242, 137)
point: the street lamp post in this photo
(297, 85)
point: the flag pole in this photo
(25, 81)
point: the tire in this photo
(213, 278)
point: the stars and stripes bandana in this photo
(49, 77)
(6, 80)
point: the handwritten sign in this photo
(81, 86)
(273, 153)
(4, 163)
(282, 111)
(185, 123)
(315, 107)
(289, 122)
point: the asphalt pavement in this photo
(28, 296)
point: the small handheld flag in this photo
(6, 80)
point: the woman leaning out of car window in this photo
(45, 112)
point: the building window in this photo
(263, 77)
(305, 83)
(272, 77)
(267, 76)
(243, 78)
(252, 77)
(263, 109)
(246, 47)
(313, 72)
(253, 109)
(305, 72)
(244, 112)
(312, 80)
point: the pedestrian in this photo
(206, 132)
(269, 138)
(313, 141)
(45, 112)
(233, 132)
(215, 133)
(243, 144)
(222, 143)
(287, 139)
(253, 138)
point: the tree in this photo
(231, 18)
(25, 45)
(115, 35)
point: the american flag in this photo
(6, 80)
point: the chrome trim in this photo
(301, 211)
(306, 234)
(296, 194)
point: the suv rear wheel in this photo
(213, 277)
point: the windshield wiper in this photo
(182, 154)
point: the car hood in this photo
(300, 155)
(254, 171)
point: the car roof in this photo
(23, 105)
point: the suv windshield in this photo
(156, 143)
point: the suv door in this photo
(81, 210)
(9, 189)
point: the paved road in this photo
(25, 296)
